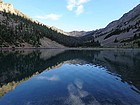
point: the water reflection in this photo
(75, 77)
(52, 78)
(77, 96)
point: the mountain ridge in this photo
(19, 30)
(10, 8)
(124, 32)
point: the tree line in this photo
(15, 30)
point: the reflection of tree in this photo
(16, 67)
(7, 87)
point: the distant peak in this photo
(6, 7)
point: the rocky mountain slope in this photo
(124, 32)
(10, 8)
(15, 28)
(19, 30)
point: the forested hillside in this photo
(18, 30)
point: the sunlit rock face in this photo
(9, 8)
(6, 7)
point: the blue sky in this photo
(70, 15)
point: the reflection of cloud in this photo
(28, 103)
(79, 83)
(76, 95)
(52, 78)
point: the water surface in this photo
(75, 77)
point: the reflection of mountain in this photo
(15, 66)
(122, 63)
(18, 66)
(119, 62)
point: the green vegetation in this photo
(116, 40)
(135, 39)
(15, 30)
(114, 32)
(139, 43)
(119, 30)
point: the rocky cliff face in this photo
(9, 8)
(6, 7)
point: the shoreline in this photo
(67, 48)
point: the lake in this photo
(70, 77)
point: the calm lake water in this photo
(75, 77)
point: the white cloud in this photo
(76, 5)
(82, 1)
(50, 17)
(71, 4)
(70, 7)
(79, 10)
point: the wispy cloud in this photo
(50, 17)
(79, 9)
(76, 5)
